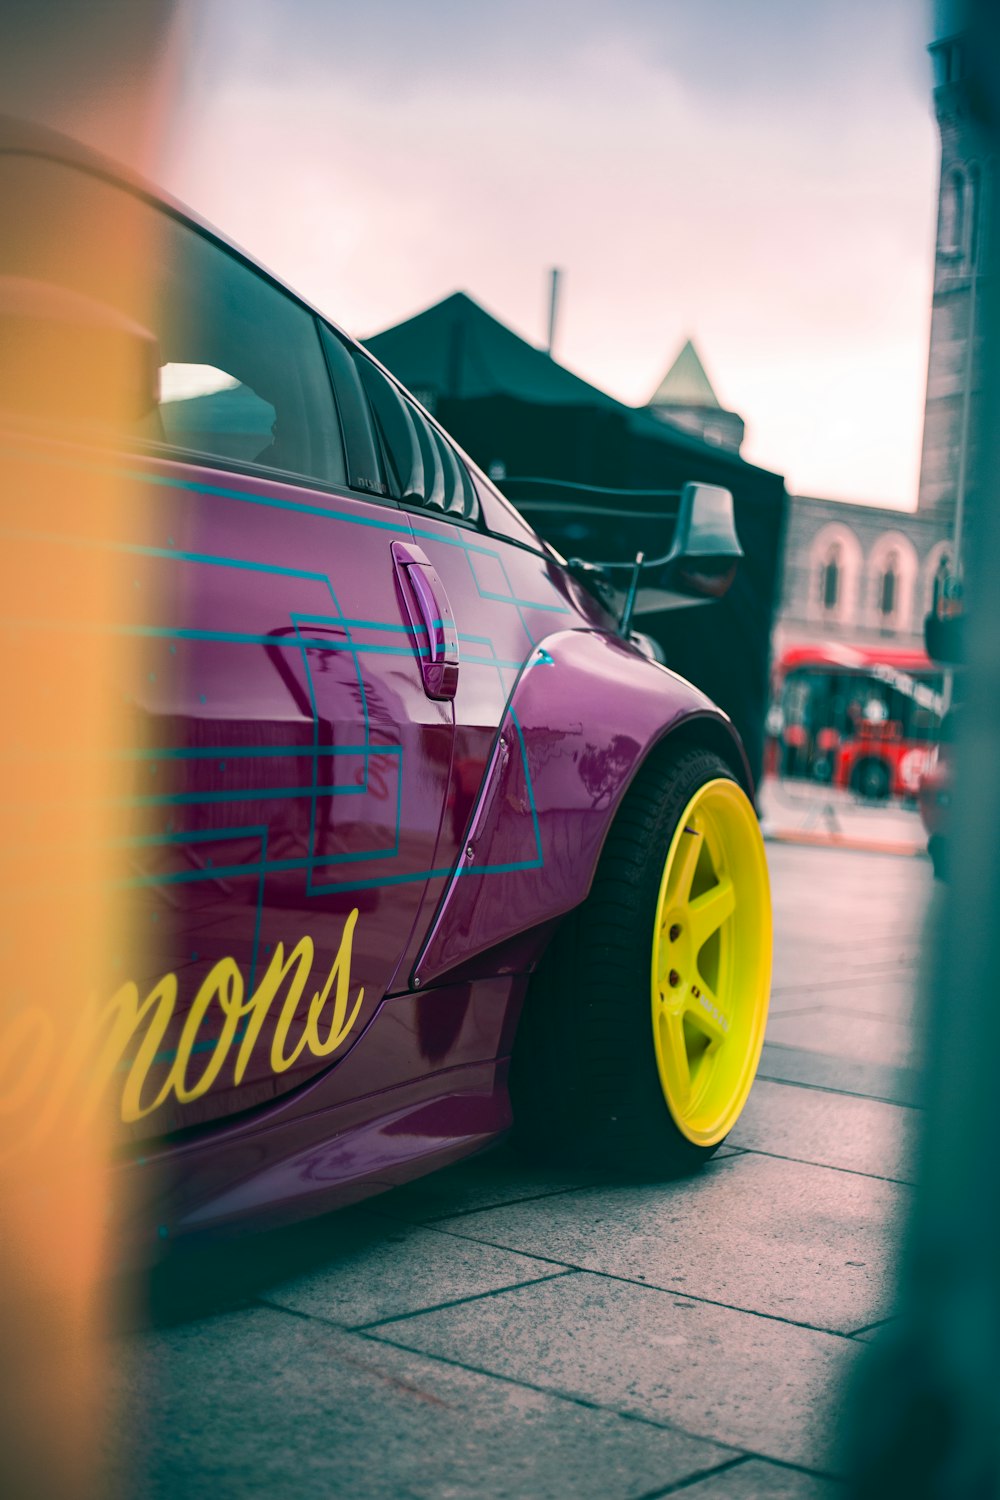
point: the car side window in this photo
(242, 374)
(421, 465)
(236, 371)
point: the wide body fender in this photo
(586, 711)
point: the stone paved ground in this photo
(804, 811)
(501, 1332)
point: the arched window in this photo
(888, 592)
(829, 579)
(952, 229)
(893, 568)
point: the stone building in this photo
(864, 574)
(860, 574)
(953, 364)
(685, 399)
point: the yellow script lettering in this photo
(37, 1075)
(124, 1015)
(341, 972)
(225, 981)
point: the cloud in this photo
(761, 177)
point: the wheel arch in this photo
(587, 1073)
(713, 731)
(558, 777)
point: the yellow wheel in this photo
(678, 919)
(711, 967)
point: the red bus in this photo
(862, 717)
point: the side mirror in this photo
(69, 360)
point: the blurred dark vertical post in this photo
(925, 1415)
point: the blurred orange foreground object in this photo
(65, 666)
(63, 670)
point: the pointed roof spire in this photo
(685, 383)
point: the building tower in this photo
(685, 398)
(952, 373)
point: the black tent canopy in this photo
(528, 419)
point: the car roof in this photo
(26, 138)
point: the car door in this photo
(502, 600)
(289, 767)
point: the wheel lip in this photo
(725, 793)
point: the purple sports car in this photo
(423, 842)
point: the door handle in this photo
(431, 619)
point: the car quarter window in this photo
(238, 375)
(365, 466)
(397, 435)
(422, 467)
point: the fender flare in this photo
(584, 715)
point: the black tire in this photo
(584, 1080)
(871, 779)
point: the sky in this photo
(759, 175)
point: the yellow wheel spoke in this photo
(673, 1053)
(684, 864)
(707, 1015)
(707, 912)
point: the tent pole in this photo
(553, 307)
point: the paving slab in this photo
(838, 1033)
(887, 999)
(793, 808)
(840, 914)
(262, 1403)
(831, 1130)
(754, 1479)
(384, 1270)
(491, 1180)
(816, 976)
(495, 1177)
(766, 1235)
(871, 1080)
(752, 1382)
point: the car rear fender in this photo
(585, 713)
